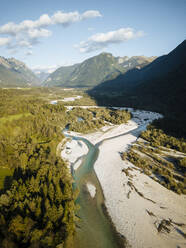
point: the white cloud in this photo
(43, 21)
(24, 43)
(65, 18)
(27, 32)
(9, 28)
(37, 33)
(91, 14)
(4, 41)
(28, 53)
(12, 28)
(12, 51)
(102, 40)
(68, 18)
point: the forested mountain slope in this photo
(159, 86)
(160, 68)
(94, 70)
(14, 73)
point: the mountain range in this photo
(159, 86)
(89, 73)
(14, 73)
(95, 70)
(160, 68)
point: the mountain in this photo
(42, 75)
(94, 71)
(14, 73)
(60, 77)
(158, 69)
(135, 61)
(159, 86)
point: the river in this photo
(95, 229)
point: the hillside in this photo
(42, 75)
(15, 73)
(159, 86)
(160, 68)
(94, 71)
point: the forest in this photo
(94, 118)
(37, 206)
(37, 197)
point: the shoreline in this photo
(129, 211)
(140, 119)
(72, 152)
(127, 208)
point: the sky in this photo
(46, 34)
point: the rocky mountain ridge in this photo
(14, 73)
(95, 70)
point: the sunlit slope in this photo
(94, 71)
(14, 73)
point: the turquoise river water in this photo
(95, 229)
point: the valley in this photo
(94, 156)
(123, 183)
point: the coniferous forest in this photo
(37, 199)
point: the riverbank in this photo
(140, 120)
(73, 151)
(135, 202)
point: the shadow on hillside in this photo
(173, 109)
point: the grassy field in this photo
(3, 173)
(12, 117)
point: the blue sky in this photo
(66, 32)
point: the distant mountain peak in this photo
(15, 73)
